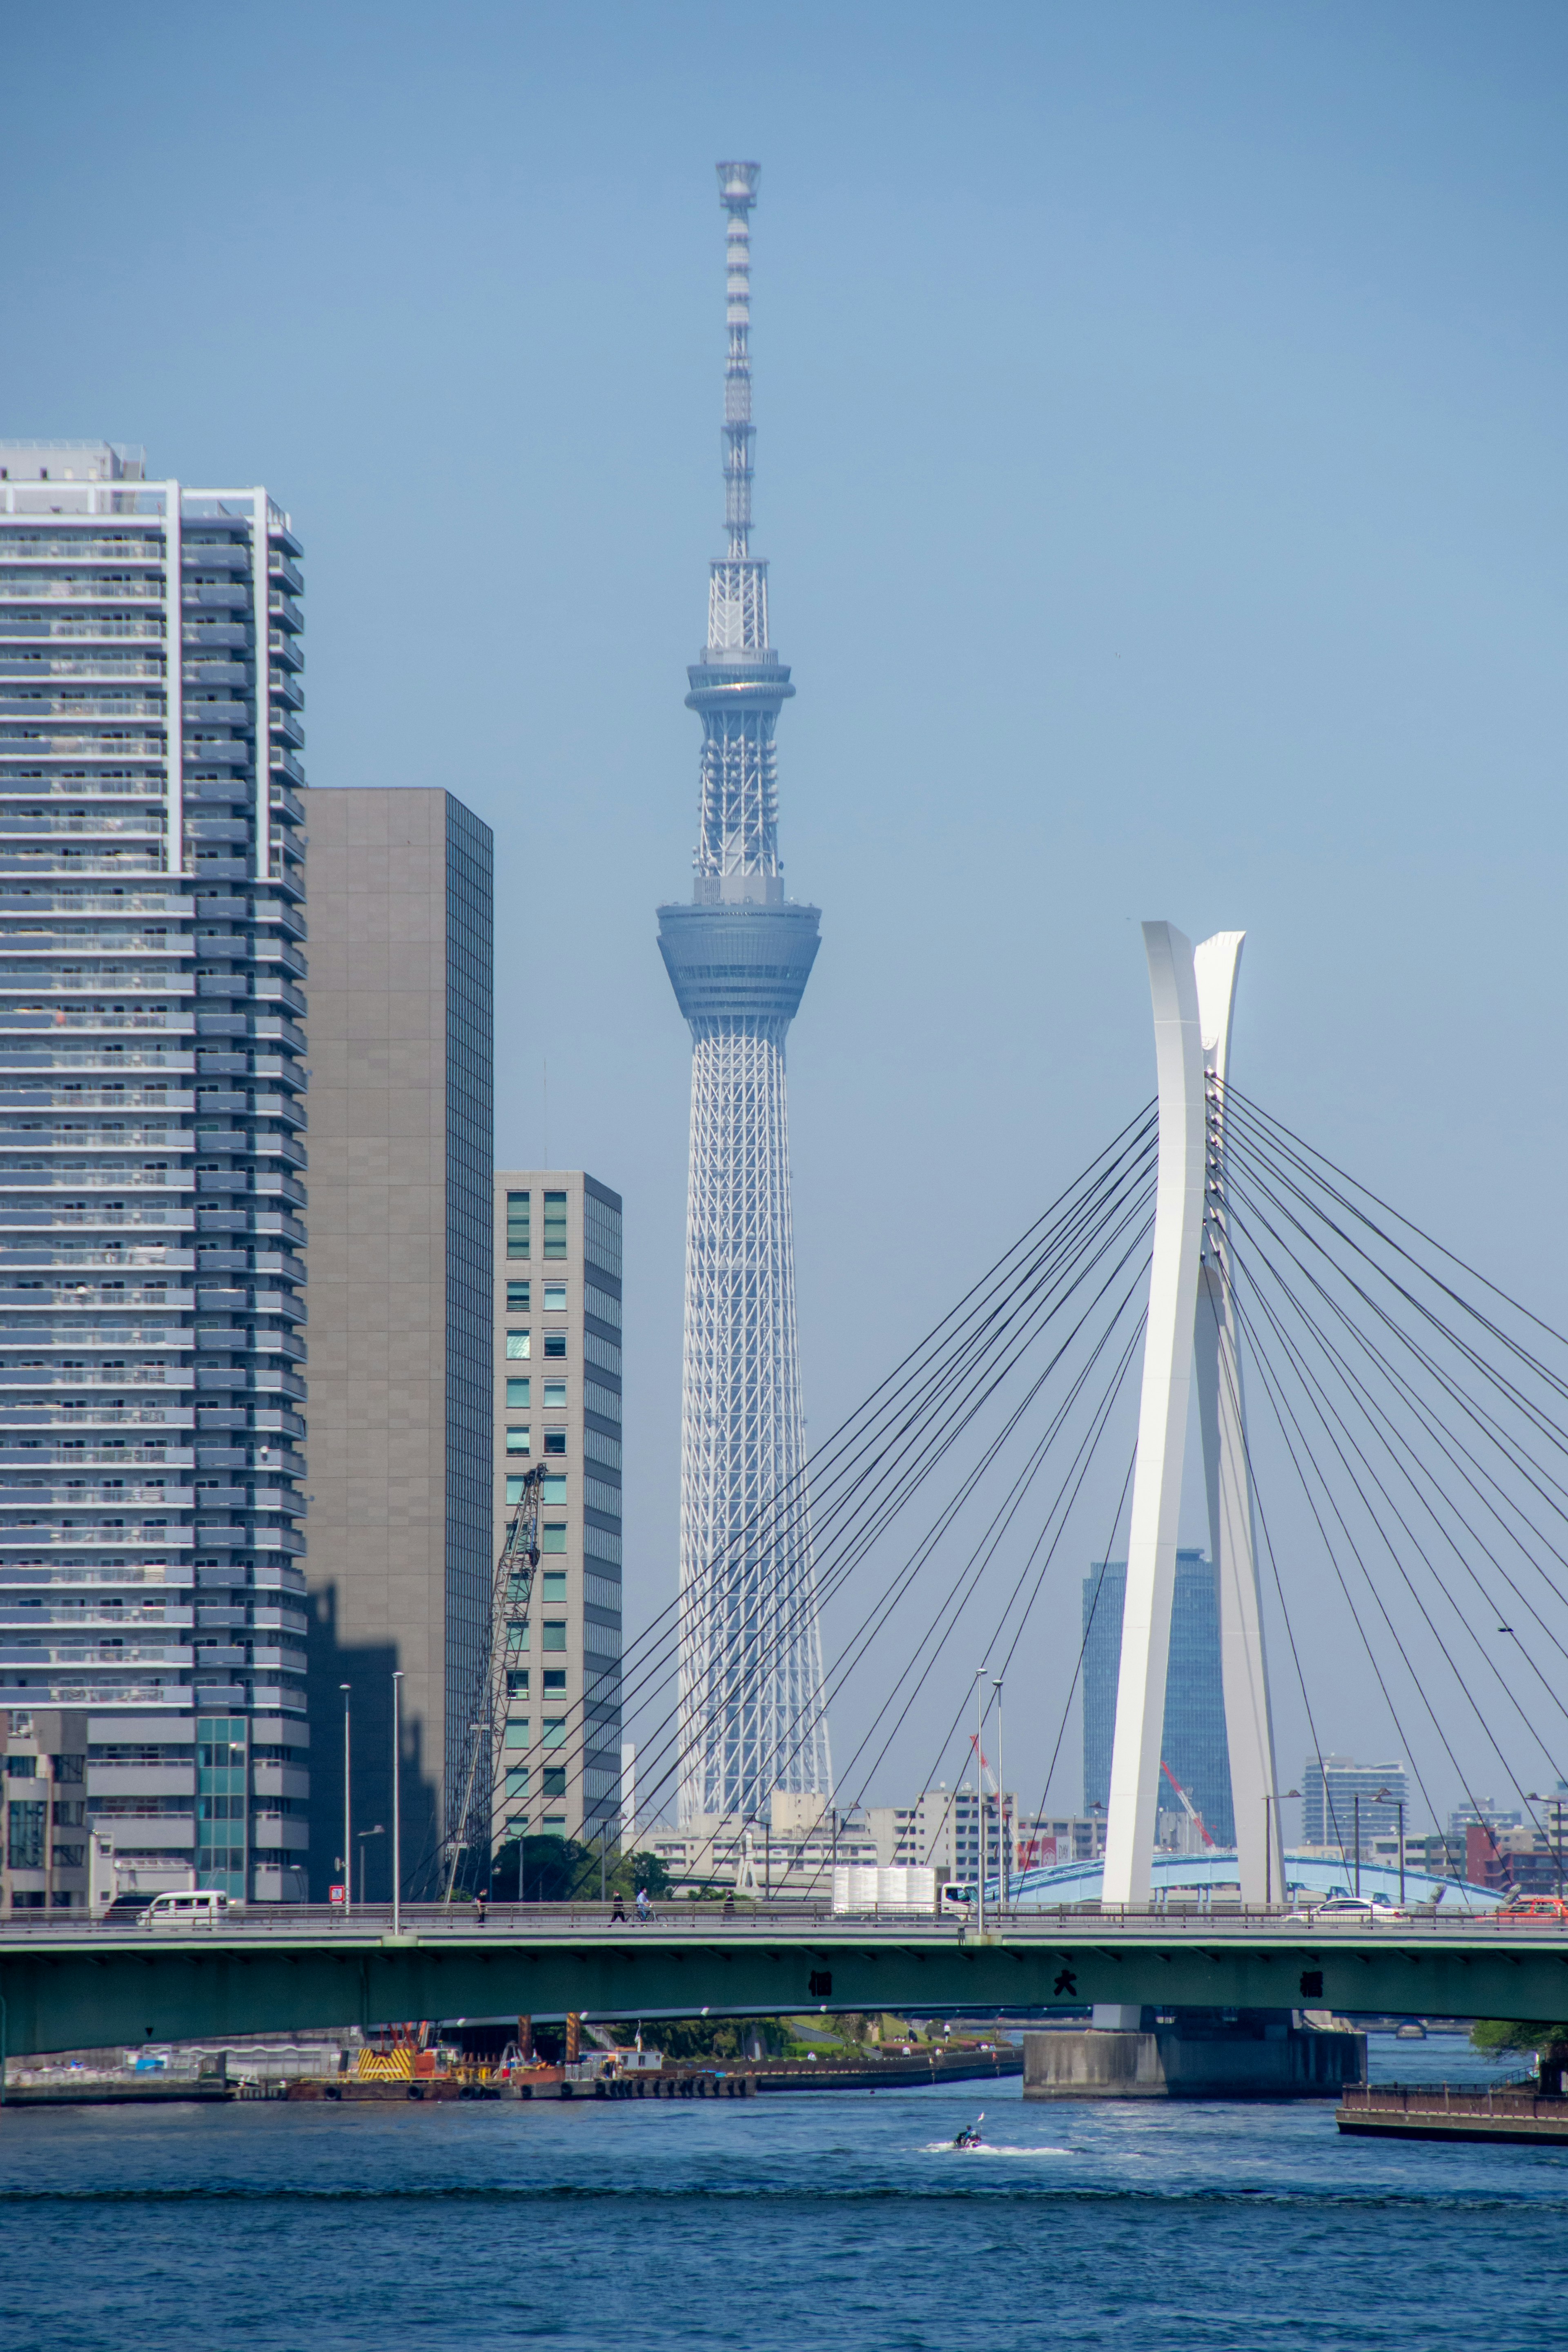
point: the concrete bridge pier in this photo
(1250, 2053)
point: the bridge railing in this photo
(548, 1920)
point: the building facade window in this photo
(579, 1232)
(517, 1227)
(518, 1441)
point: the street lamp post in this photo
(1379, 1796)
(980, 1790)
(1268, 1849)
(348, 1818)
(1539, 1796)
(379, 1830)
(397, 1802)
(1003, 1873)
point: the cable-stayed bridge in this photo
(1384, 1439)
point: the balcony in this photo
(215, 597)
(107, 588)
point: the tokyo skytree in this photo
(738, 957)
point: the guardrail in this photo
(563, 1920)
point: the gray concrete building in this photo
(400, 1028)
(557, 1401)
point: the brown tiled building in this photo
(399, 1528)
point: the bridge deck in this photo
(67, 1984)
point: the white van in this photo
(203, 1907)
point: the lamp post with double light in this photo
(1269, 1803)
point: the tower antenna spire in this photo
(738, 194)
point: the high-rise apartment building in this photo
(401, 1029)
(152, 1105)
(557, 1392)
(1194, 1743)
(1339, 1796)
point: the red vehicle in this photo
(1529, 1909)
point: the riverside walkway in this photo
(67, 1983)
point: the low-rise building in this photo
(940, 1831)
(43, 1863)
(788, 1855)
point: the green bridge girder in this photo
(64, 1988)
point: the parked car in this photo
(1529, 1909)
(204, 1909)
(1351, 1908)
(126, 1910)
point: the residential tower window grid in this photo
(151, 1201)
(558, 1393)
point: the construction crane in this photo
(1188, 1807)
(505, 1636)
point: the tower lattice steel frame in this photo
(738, 956)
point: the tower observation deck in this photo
(738, 955)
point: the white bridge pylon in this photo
(1192, 1319)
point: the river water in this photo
(834, 2219)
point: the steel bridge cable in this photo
(1448, 1444)
(891, 1442)
(1234, 1393)
(1063, 1504)
(1547, 1428)
(903, 1577)
(938, 1634)
(959, 1411)
(1481, 1415)
(1089, 1627)
(1506, 1443)
(945, 1624)
(950, 1510)
(1336, 1430)
(1122, 1160)
(1283, 1409)
(1264, 1119)
(939, 1371)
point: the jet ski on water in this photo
(969, 2136)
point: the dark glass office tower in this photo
(1194, 1743)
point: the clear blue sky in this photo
(1160, 459)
